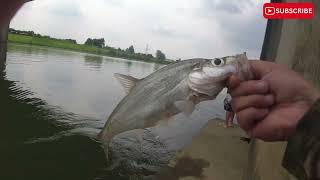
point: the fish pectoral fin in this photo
(127, 82)
(186, 106)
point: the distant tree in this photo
(100, 42)
(89, 42)
(149, 56)
(160, 55)
(130, 50)
(95, 42)
(72, 41)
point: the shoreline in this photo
(65, 45)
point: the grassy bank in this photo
(64, 44)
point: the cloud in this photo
(118, 3)
(210, 6)
(181, 29)
(66, 9)
(169, 33)
(232, 7)
(240, 23)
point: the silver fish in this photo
(173, 89)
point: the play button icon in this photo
(269, 11)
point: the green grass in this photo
(64, 44)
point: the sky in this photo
(180, 28)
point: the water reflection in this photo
(63, 80)
(52, 107)
(25, 120)
(129, 64)
(93, 61)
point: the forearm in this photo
(303, 149)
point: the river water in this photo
(55, 102)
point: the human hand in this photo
(270, 107)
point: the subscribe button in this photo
(288, 10)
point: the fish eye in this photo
(218, 62)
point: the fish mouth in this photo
(241, 66)
(219, 73)
(210, 80)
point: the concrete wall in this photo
(299, 47)
(295, 43)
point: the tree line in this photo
(128, 53)
(33, 34)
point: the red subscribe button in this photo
(288, 10)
